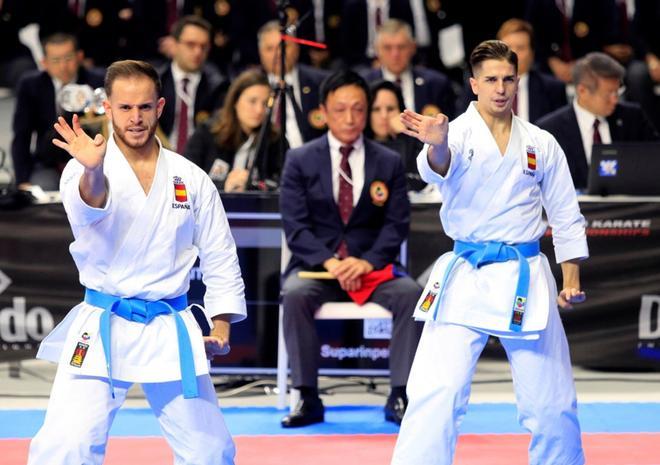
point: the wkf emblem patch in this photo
(531, 158)
(180, 193)
(379, 193)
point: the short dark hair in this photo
(343, 78)
(59, 38)
(514, 25)
(382, 84)
(492, 50)
(128, 69)
(190, 20)
(596, 65)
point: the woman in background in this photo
(226, 146)
(385, 128)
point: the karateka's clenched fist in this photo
(89, 152)
(428, 129)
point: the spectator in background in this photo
(37, 108)
(385, 128)
(225, 147)
(538, 93)
(644, 75)
(596, 116)
(191, 89)
(424, 90)
(15, 58)
(568, 30)
(303, 121)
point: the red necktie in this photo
(565, 51)
(345, 198)
(182, 133)
(379, 18)
(172, 14)
(597, 139)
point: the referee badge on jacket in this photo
(180, 193)
(316, 118)
(379, 193)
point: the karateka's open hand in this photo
(217, 343)
(428, 129)
(569, 296)
(89, 152)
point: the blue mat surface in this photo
(249, 421)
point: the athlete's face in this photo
(495, 83)
(134, 108)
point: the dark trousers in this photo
(302, 297)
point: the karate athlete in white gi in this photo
(496, 172)
(140, 216)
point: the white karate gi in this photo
(488, 197)
(141, 246)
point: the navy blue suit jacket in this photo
(36, 113)
(207, 99)
(310, 80)
(431, 88)
(627, 123)
(311, 218)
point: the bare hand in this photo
(89, 152)
(236, 180)
(349, 272)
(428, 129)
(561, 69)
(569, 296)
(214, 345)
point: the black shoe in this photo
(307, 412)
(395, 408)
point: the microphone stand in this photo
(278, 99)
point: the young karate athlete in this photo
(496, 173)
(140, 215)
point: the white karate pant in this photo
(81, 410)
(439, 389)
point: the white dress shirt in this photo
(355, 161)
(293, 132)
(407, 86)
(522, 98)
(585, 121)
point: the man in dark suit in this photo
(302, 120)
(191, 88)
(569, 30)
(37, 110)
(345, 210)
(360, 21)
(424, 90)
(538, 93)
(596, 116)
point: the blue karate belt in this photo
(144, 311)
(479, 254)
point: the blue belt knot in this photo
(479, 254)
(144, 311)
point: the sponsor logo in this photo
(649, 327)
(636, 227)
(608, 168)
(341, 353)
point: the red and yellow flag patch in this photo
(180, 193)
(531, 158)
